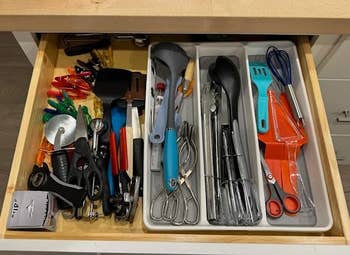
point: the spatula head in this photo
(229, 77)
(225, 73)
(260, 75)
(112, 83)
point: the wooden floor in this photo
(15, 73)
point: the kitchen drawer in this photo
(52, 61)
(336, 101)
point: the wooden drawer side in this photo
(30, 134)
(335, 189)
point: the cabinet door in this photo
(336, 98)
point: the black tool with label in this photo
(42, 179)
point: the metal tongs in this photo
(170, 204)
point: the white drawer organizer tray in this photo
(309, 159)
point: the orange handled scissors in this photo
(279, 200)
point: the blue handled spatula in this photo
(261, 77)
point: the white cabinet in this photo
(332, 54)
(336, 65)
(336, 98)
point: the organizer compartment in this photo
(309, 162)
(153, 178)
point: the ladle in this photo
(176, 59)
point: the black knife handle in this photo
(138, 161)
(105, 196)
(86, 48)
(124, 180)
(60, 164)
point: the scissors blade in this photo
(81, 129)
(266, 169)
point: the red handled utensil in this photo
(278, 201)
(123, 150)
(114, 152)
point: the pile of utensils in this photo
(95, 165)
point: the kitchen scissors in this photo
(278, 201)
(84, 171)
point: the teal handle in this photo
(170, 160)
(262, 114)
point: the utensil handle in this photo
(171, 160)
(238, 148)
(262, 114)
(294, 102)
(60, 164)
(138, 160)
(129, 143)
(157, 135)
(209, 169)
(103, 167)
(114, 152)
(123, 149)
(110, 178)
(290, 202)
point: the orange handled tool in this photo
(45, 147)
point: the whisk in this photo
(279, 63)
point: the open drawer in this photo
(52, 61)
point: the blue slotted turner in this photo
(261, 77)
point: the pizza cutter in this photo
(58, 122)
